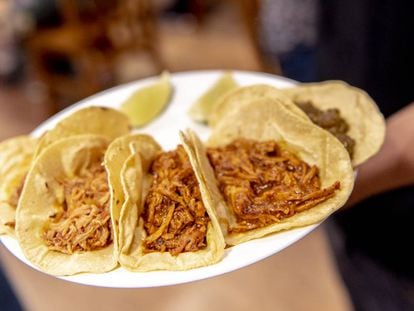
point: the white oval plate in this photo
(188, 86)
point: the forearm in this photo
(393, 166)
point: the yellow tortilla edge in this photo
(366, 122)
(132, 256)
(97, 120)
(16, 155)
(36, 205)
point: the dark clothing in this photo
(382, 227)
(370, 44)
(371, 285)
(372, 246)
(299, 64)
(8, 301)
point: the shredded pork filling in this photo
(84, 222)
(175, 218)
(264, 184)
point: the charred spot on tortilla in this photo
(263, 183)
(10, 224)
(175, 218)
(83, 221)
(330, 120)
(15, 196)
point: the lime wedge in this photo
(148, 102)
(202, 108)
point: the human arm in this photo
(393, 166)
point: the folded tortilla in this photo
(16, 154)
(127, 182)
(267, 119)
(136, 181)
(15, 159)
(63, 221)
(357, 108)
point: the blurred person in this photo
(371, 235)
(288, 36)
(369, 45)
(8, 300)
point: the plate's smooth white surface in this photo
(188, 86)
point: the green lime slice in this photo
(202, 108)
(148, 102)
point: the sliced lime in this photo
(202, 108)
(148, 102)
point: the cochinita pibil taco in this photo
(166, 222)
(346, 112)
(267, 169)
(17, 154)
(63, 221)
(15, 159)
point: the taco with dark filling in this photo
(346, 112)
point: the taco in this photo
(346, 112)
(63, 220)
(103, 121)
(169, 225)
(269, 170)
(15, 158)
(126, 184)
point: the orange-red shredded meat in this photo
(175, 218)
(84, 223)
(264, 183)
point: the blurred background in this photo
(55, 52)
